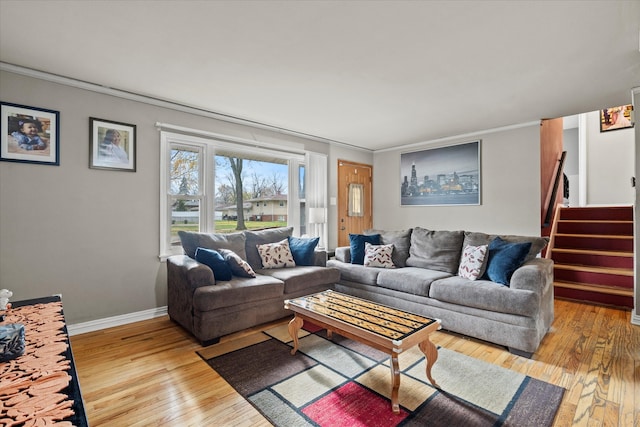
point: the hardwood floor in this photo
(148, 373)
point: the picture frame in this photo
(112, 145)
(29, 134)
(442, 176)
(616, 118)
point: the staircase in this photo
(592, 249)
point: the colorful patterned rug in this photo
(340, 382)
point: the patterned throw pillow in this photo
(239, 267)
(276, 255)
(378, 255)
(473, 262)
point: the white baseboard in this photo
(109, 322)
(635, 318)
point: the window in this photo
(199, 193)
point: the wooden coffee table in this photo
(384, 328)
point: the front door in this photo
(355, 205)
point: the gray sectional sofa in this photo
(424, 280)
(210, 308)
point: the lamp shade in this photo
(316, 216)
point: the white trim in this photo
(582, 159)
(110, 322)
(635, 318)
(67, 81)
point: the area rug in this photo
(339, 382)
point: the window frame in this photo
(208, 148)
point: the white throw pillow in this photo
(276, 255)
(473, 262)
(378, 255)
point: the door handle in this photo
(342, 228)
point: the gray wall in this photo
(90, 234)
(510, 201)
(610, 164)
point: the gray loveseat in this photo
(209, 307)
(425, 281)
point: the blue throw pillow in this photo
(216, 262)
(356, 246)
(504, 259)
(303, 250)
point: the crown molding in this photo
(81, 84)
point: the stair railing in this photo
(553, 193)
(552, 235)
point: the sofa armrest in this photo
(320, 257)
(184, 276)
(535, 275)
(187, 273)
(343, 253)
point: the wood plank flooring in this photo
(148, 373)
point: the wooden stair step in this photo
(593, 252)
(596, 236)
(598, 227)
(599, 270)
(605, 276)
(609, 290)
(598, 213)
(597, 258)
(605, 242)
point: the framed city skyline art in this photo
(441, 176)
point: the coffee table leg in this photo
(395, 383)
(431, 354)
(294, 327)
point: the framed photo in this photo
(29, 134)
(112, 145)
(615, 118)
(441, 176)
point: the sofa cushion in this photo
(435, 250)
(485, 295)
(303, 250)
(504, 259)
(411, 280)
(276, 255)
(298, 279)
(356, 246)
(192, 240)
(473, 262)
(355, 272)
(216, 262)
(378, 256)
(260, 237)
(474, 238)
(401, 241)
(239, 267)
(239, 290)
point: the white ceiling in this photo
(373, 74)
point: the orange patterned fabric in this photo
(32, 385)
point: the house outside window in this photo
(195, 188)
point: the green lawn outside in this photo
(227, 226)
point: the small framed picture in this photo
(29, 134)
(615, 118)
(112, 145)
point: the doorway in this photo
(355, 204)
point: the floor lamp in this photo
(317, 217)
